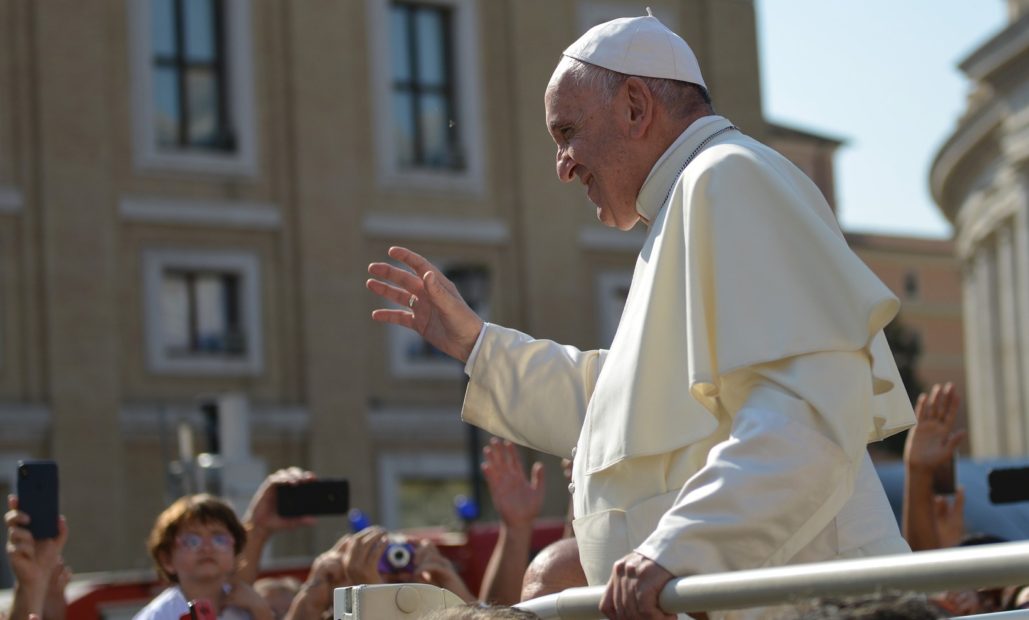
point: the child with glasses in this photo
(195, 544)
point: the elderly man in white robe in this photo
(726, 427)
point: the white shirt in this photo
(172, 605)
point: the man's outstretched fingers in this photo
(412, 259)
(397, 317)
(388, 292)
(401, 277)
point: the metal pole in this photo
(474, 445)
(927, 571)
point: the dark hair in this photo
(201, 508)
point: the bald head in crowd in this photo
(554, 569)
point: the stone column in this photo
(986, 423)
(330, 191)
(78, 244)
(973, 371)
(1021, 273)
(1007, 345)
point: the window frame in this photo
(395, 467)
(238, 87)
(417, 90)
(247, 266)
(467, 87)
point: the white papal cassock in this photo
(726, 427)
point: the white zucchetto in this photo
(641, 46)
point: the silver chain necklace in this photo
(695, 152)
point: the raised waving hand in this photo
(431, 304)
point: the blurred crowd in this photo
(203, 551)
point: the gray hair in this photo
(680, 98)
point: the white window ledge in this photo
(224, 214)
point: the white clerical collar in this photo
(654, 192)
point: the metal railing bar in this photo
(927, 571)
(1015, 614)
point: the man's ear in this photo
(640, 106)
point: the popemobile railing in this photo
(928, 571)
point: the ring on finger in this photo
(411, 300)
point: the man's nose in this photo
(565, 166)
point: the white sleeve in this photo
(474, 355)
(532, 392)
(788, 466)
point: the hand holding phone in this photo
(37, 497)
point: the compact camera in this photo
(397, 558)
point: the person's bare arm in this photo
(32, 561)
(361, 554)
(930, 444)
(55, 606)
(518, 501)
(243, 596)
(950, 518)
(315, 595)
(262, 519)
(431, 567)
(431, 304)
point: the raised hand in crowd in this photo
(278, 592)
(361, 554)
(931, 443)
(55, 607)
(518, 501)
(242, 595)
(950, 518)
(32, 561)
(431, 304)
(433, 568)
(327, 573)
(262, 519)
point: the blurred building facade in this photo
(980, 179)
(190, 192)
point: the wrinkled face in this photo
(592, 146)
(202, 552)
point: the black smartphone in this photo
(1010, 484)
(37, 496)
(329, 496)
(943, 478)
